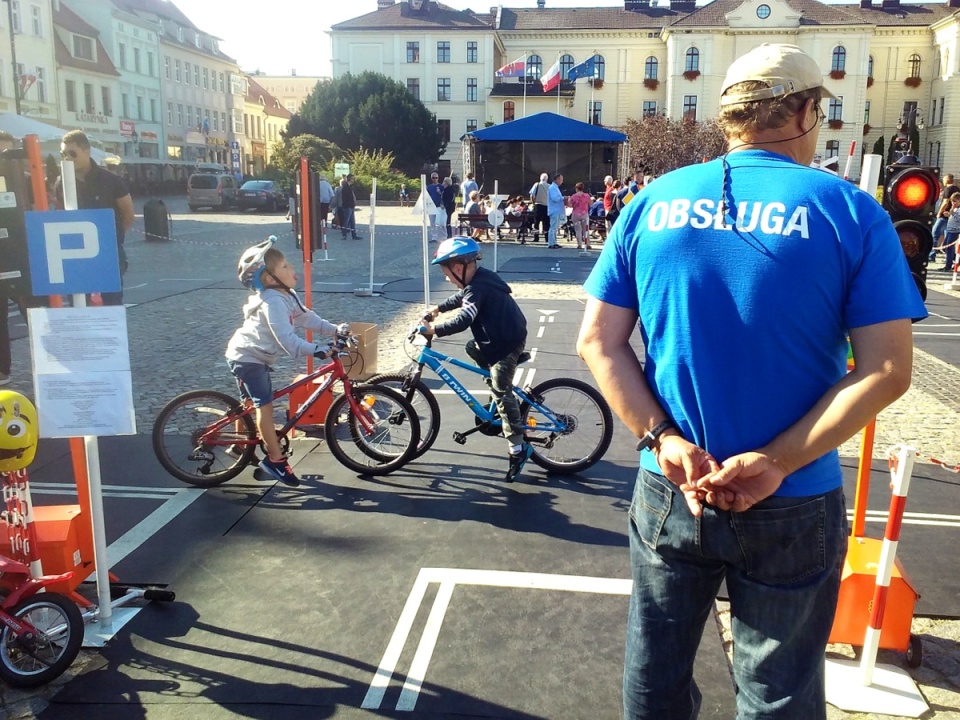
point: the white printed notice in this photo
(81, 371)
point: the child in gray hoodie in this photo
(270, 317)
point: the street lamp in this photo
(13, 56)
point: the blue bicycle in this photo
(568, 423)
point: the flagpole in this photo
(593, 88)
(559, 83)
(524, 84)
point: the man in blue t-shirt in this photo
(747, 275)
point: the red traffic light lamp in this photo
(910, 194)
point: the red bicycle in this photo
(206, 437)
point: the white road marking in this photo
(449, 578)
(540, 332)
(151, 524)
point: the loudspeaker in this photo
(609, 155)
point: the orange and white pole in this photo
(901, 468)
(846, 170)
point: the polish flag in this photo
(551, 78)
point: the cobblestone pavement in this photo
(177, 344)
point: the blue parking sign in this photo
(73, 251)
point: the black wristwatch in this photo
(647, 441)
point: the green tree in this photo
(371, 111)
(659, 144)
(285, 158)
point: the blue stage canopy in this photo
(546, 127)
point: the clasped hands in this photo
(737, 484)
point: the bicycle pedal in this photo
(460, 438)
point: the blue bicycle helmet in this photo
(456, 248)
(252, 264)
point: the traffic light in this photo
(910, 194)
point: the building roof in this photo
(812, 12)
(271, 106)
(433, 15)
(903, 15)
(64, 17)
(161, 8)
(587, 18)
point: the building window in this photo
(472, 51)
(124, 105)
(196, 75)
(42, 86)
(216, 121)
(189, 116)
(89, 105)
(866, 113)
(198, 40)
(107, 101)
(444, 127)
(206, 79)
(166, 67)
(139, 108)
(1, 77)
(36, 21)
(649, 108)
(223, 121)
(180, 34)
(169, 113)
(150, 64)
(509, 111)
(443, 89)
(601, 66)
(943, 101)
(936, 64)
(914, 64)
(83, 48)
(153, 110)
(839, 61)
(122, 56)
(835, 111)
(221, 85)
(833, 148)
(692, 61)
(870, 66)
(15, 11)
(689, 107)
(136, 60)
(650, 68)
(443, 51)
(936, 160)
(566, 64)
(186, 72)
(177, 73)
(534, 67)
(413, 52)
(179, 115)
(70, 90)
(471, 89)
(933, 113)
(471, 126)
(413, 87)
(595, 113)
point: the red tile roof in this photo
(434, 15)
(587, 18)
(65, 18)
(271, 106)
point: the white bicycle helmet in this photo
(252, 264)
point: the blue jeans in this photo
(951, 252)
(782, 561)
(556, 220)
(348, 222)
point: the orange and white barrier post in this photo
(846, 170)
(19, 518)
(901, 468)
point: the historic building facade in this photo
(886, 61)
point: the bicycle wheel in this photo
(424, 402)
(177, 432)
(585, 425)
(393, 440)
(29, 662)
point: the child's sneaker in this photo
(517, 461)
(280, 470)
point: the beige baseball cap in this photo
(786, 69)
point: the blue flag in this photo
(587, 68)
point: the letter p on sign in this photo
(73, 251)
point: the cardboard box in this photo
(365, 364)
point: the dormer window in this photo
(197, 40)
(180, 34)
(216, 47)
(415, 4)
(83, 48)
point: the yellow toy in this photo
(19, 431)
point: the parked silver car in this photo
(213, 190)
